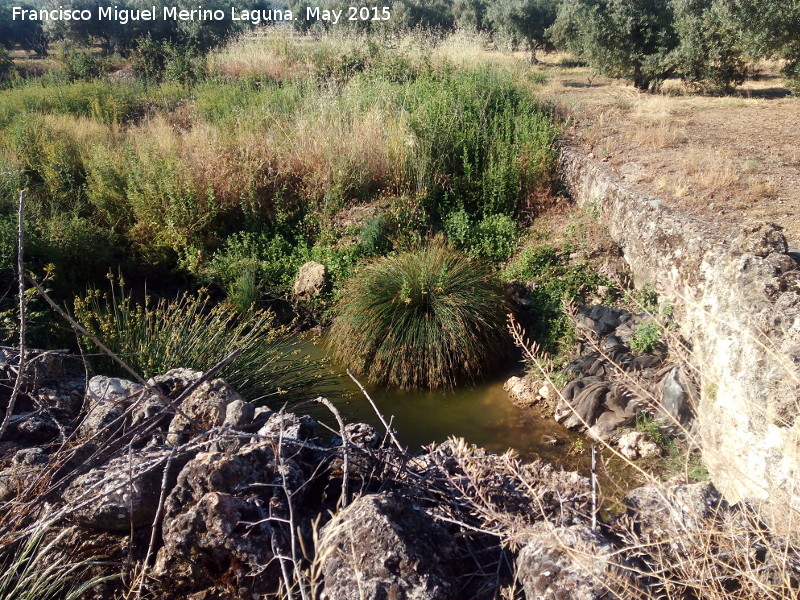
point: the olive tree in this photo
(522, 22)
(470, 14)
(771, 30)
(27, 34)
(630, 39)
(647, 41)
(710, 53)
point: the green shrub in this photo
(101, 100)
(551, 280)
(430, 318)
(80, 63)
(494, 238)
(272, 260)
(374, 236)
(481, 140)
(191, 332)
(647, 337)
(6, 65)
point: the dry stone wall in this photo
(737, 298)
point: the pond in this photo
(482, 414)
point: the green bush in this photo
(482, 140)
(101, 100)
(430, 318)
(191, 332)
(551, 279)
(647, 337)
(80, 63)
(272, 260)
(6, 65)
(494, 238)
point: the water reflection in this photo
(482, 414)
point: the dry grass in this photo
(729, 159)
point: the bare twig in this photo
(377, 412)
(21, 282)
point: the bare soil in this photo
(730, 160)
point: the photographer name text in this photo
(174, 13)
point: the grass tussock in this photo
(431, 318)
(192, 332)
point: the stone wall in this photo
(737, 299)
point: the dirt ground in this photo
(729, 159)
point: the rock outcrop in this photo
(383, 547)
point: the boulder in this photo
(107, 400)
(37, 427)
(112, 390)
(360, 435)
(527, 391)
(239, 414)
(205, 408)
(383, 547)
(124, 492)
(26, 466)
(175, 381)
(636, 444)
(671, 512)
(575, 563)
(218, 522)
(40, 366)
(289, 426)
(311, 281)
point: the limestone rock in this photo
(217, 521)
(112, 390)
(239, 414)
(205, 408)
(761, 240)
(361, 435)
(383, 547)
(636, 444)
(312, 281)
(175, 381)
(667, 514)
(289, 426)
(103, 422)
(123, 492)
(523, 391)
(26, 465)
(573, 563)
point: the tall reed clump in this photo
(191, 331)
(429, 318)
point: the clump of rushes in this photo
(191, 331)
(427, 319)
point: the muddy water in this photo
(482, 414)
